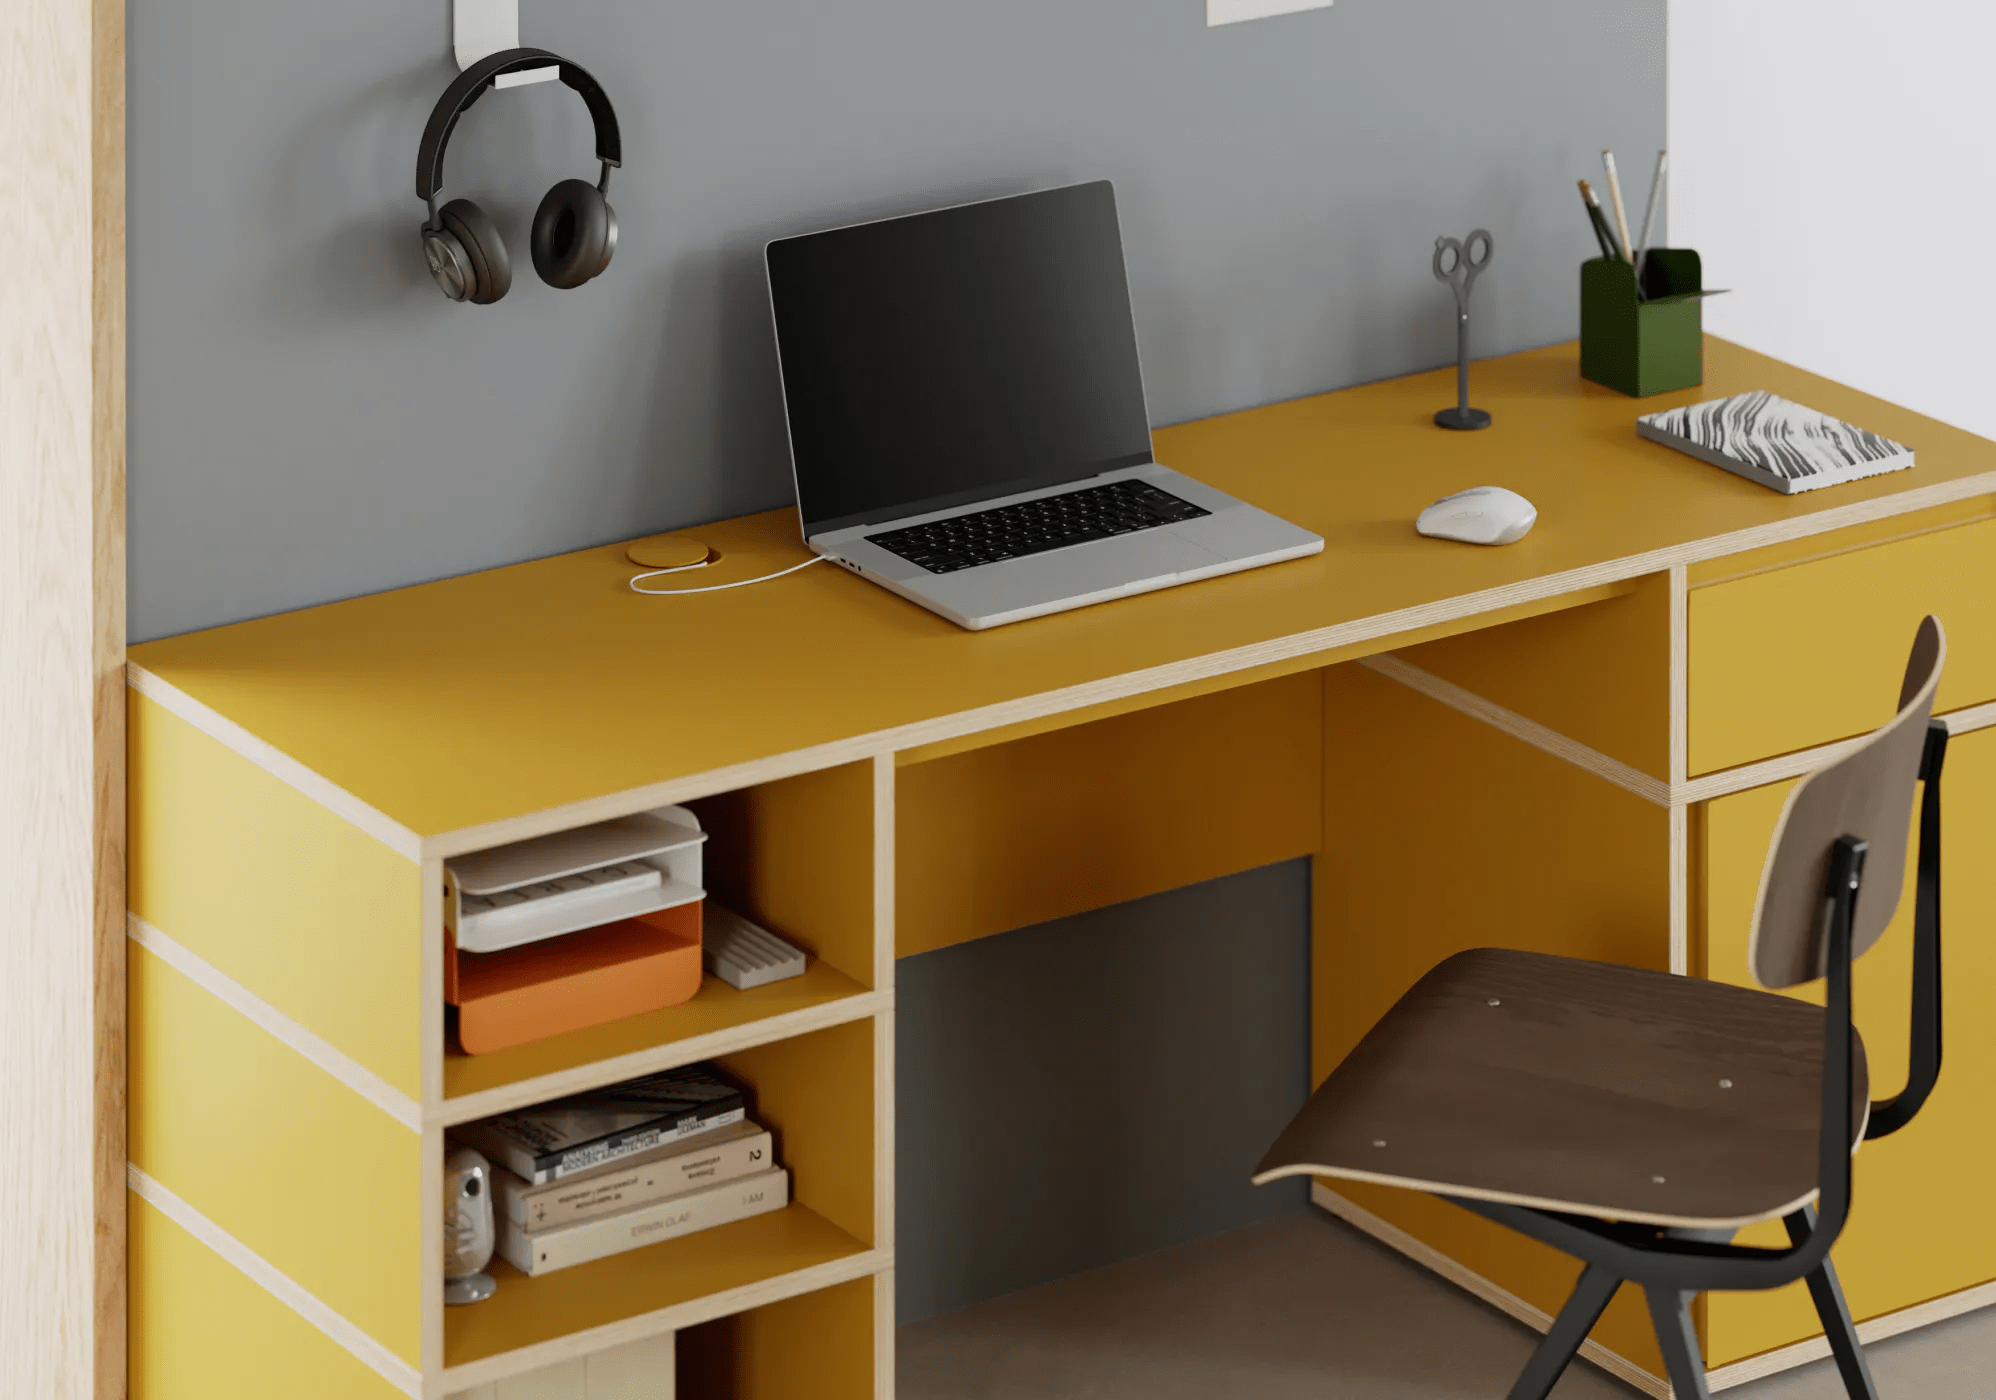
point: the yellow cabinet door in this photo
(1917, 1229)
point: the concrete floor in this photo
(1305, 1308)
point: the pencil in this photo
(1649, 215)
(1621, 214)
(1597, 222)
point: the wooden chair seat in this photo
(1549, 1082)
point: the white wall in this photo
(1834, 161)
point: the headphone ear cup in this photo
(575, 233)
(491, 270)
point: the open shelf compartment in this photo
(796, 856)
(786, 1245)
(820, 1096)
(829, 1344)
(716, 1020)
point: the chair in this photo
(1637, 1120)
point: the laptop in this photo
(967, 418)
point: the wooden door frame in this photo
(62, 699)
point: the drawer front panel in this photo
(1812, 653)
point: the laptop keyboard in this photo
(1036, 526)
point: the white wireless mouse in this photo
(1480, 515)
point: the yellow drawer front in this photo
(200, 1330)
(303, 1171)
(1914, 1233)
(1812, 653)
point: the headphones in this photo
(575, 230)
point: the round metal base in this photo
(472, 1288)
(1463, 419)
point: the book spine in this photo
(496, 1147)
(553, 1166)
(569, 1245)
(543, 1207)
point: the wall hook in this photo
(482, 27)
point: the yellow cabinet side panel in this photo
(305, 910)
(1002, 837)
(200, 1330)
(1913, 1233)
(815, 1094)
(1598, 674)
(1812, 653)
(1442, 834)
(797, 855)
(299, 1168)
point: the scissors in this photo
(1463, 265)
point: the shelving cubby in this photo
(799, 856)
(818, 1094)
(293, 1081)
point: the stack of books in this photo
(619, 1168)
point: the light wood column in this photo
(62, 643)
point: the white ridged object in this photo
(743, 954)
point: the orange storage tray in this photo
(579, 979)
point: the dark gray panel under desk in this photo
(1098, 1087)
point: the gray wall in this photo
(310, 420)
(1097, 1087)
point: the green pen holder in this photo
(1647, 345)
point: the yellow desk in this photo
(1591, 729)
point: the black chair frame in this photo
(1673, 1265)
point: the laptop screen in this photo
(954, 356)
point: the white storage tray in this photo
(667, 839)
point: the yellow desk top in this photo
(499, 695)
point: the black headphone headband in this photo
(471, 84)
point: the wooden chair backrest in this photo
(1868, 794)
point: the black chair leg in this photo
(1670, 1313)
(1835, 1313)
(1568, 1331)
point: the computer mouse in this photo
(1480, 515)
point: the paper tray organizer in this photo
(544, 967)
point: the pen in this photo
(1649, 215)
(1599, 221)
(1621, 214)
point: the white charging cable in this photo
(712, 587)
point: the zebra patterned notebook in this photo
(1780, 444)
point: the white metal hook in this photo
(482, 27)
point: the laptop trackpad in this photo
(1124, 562)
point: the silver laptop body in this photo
(940, 367)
